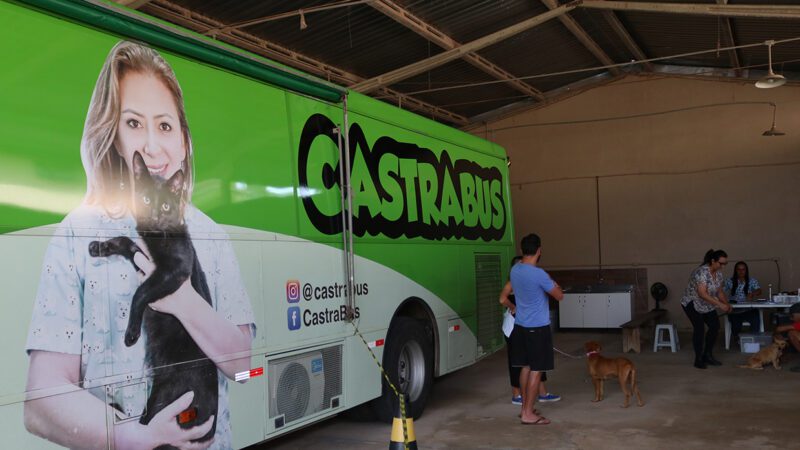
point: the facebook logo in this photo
(293, 317)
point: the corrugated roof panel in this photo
(784, 56)
(358, 39)
(546, 49)
(598, 28)
(467, 20)
(231, 11)
(668, 35)
(467, 101)
(361, 40)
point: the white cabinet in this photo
(620, 309)
(595, 310)
(570, 311)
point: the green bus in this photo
(219, 287)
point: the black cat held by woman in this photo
(181, 366)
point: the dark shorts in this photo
(532, 347)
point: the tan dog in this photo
(601, 368)
(771, 354)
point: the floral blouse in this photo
(702, 275)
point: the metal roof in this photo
(361, 43)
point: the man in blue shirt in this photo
(532, 342)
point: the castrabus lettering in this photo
(400, 189)
(333, 291)
(312, 318)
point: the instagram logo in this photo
(293, 318)
(293, 291)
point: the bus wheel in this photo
(408, 360)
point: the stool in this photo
(672, 342)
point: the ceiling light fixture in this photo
(303, 24)
(772, 131)
(770, 80)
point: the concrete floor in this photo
(685, 408)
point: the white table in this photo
(760, 306)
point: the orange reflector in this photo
(187, 416)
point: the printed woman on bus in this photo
(83, 340)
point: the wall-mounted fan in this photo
(659, 292)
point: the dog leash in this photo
(568, 355)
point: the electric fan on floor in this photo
(659, 292)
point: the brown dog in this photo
(601, 368)
(771, 354)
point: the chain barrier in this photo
(400, 396)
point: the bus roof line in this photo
(135, 25)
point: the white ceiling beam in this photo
(727, 34)
(199, 23)
(445, 57)
(438, 37)
(626, 38)
(583, 37)
(754, 11)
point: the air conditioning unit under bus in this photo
(296, 387)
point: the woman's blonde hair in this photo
(107, 174)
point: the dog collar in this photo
(592, 353)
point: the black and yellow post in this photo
(403, 437)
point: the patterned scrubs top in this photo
(739, 295)
(83, 303)
(702, 275)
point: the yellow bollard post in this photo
(403, 437)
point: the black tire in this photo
(408, 360)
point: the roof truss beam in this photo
(756, 11)
(583, 37)
(438, 37)
(626, 38)
(133, 4)
(201, 24)
(445, 57)
(727, 34)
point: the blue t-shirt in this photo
(531, 285)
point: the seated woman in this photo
(742, 288)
